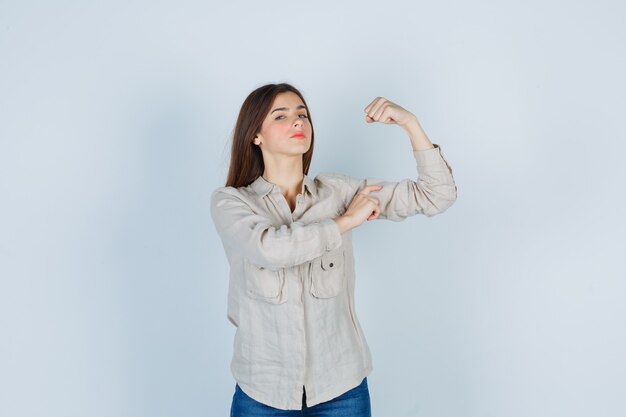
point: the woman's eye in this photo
(302, 115)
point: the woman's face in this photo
(286, 130)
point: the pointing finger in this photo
(370, 188)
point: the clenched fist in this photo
(384, 111)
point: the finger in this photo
(374, 214)
(375, 106)
(369, 106)
(378, 108)
(379, 111)
(368, 119)
(364, 193)
(367, 189)
(387, 116)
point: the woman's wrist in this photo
(344, 223)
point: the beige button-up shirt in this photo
(291, 288)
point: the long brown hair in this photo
(246, 159)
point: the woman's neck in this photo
(287, 174)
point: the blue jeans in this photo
(352, 403)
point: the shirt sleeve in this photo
(431, 193)
(265, 245)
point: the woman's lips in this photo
(298, 136)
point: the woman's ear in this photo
(256, 140)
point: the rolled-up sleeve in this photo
(264, 244)
(431, 193)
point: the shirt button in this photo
(331, 264)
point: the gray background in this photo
(114, 128)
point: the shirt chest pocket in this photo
(265, 284)
(328, 274)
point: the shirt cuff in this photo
(332, 234)
(429, 157)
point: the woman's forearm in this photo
(418, 137)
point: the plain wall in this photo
(115, 126)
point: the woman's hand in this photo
(384, 111)
(362, 207)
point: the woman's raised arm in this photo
(434, 189)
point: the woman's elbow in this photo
(442, 202)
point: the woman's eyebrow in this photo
(301, 106)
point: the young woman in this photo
(298, 343)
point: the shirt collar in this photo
(263, 187)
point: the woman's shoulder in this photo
(330, 177)
(225, 189)
(230, 192)
(332, 180)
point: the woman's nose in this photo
(298, 122)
